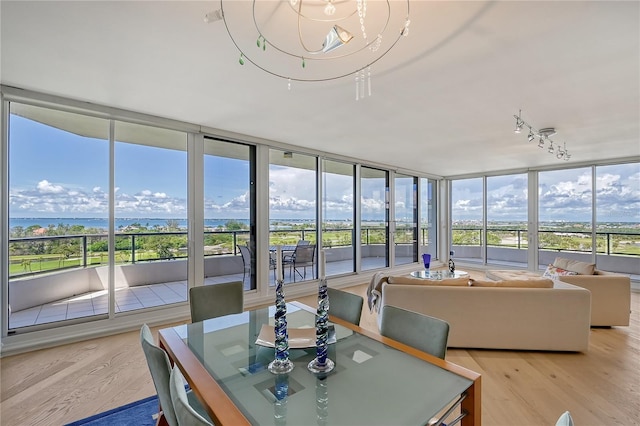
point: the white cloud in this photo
(45, 187)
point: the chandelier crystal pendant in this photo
(314, 40)
(560, 152)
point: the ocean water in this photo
(103, 223)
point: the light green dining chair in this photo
(185, 413)
(216, 300)
(425, 333)
(345, 305)
(160, 369)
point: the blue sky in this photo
(564, 195)
(54, 173)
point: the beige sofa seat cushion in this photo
(582, 268)
(537, 282)
(498, 275)
(421, 281)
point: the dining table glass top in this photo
(372, 383)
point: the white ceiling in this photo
(443, 99)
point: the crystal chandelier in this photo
(560, 152)
(315, 40)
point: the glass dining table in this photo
(376, 381)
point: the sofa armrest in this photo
(610, 296)
(597, 279)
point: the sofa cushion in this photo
(538, 282)
(509, 274)
(421, 281)
(582, 268)
(554, 272)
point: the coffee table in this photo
(439, 275)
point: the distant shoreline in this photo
(102, 223)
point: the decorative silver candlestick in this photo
(281, 364)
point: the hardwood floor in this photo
(601, 387)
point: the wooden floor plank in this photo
(601, 387)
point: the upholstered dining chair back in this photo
(216, 300)
(345, 305)
(185, 413)
(420, 331)
(160, 369)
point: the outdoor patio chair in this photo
(302, 257)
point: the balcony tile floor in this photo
(139, 297)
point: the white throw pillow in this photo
(565, 420)
(554, 272)
(582, 268)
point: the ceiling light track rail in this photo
(544, 136)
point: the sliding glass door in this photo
(229, 212)
(58, 216)
(374, 218)
(293, 218)
(406, 219)
(338, 231)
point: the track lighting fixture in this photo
(561, 153)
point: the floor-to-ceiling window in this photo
(338, 231)
(292, 213)
(405, 237)
(428, 217)
(374, 218)
(507, 220)
(150, 169)
(617, 200)
(467, 219)
(565, 214)
(58, 216)
(229, 204)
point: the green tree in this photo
(234, 225)
(172, 224)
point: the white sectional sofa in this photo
(556, 318)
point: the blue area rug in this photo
(139, 413)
